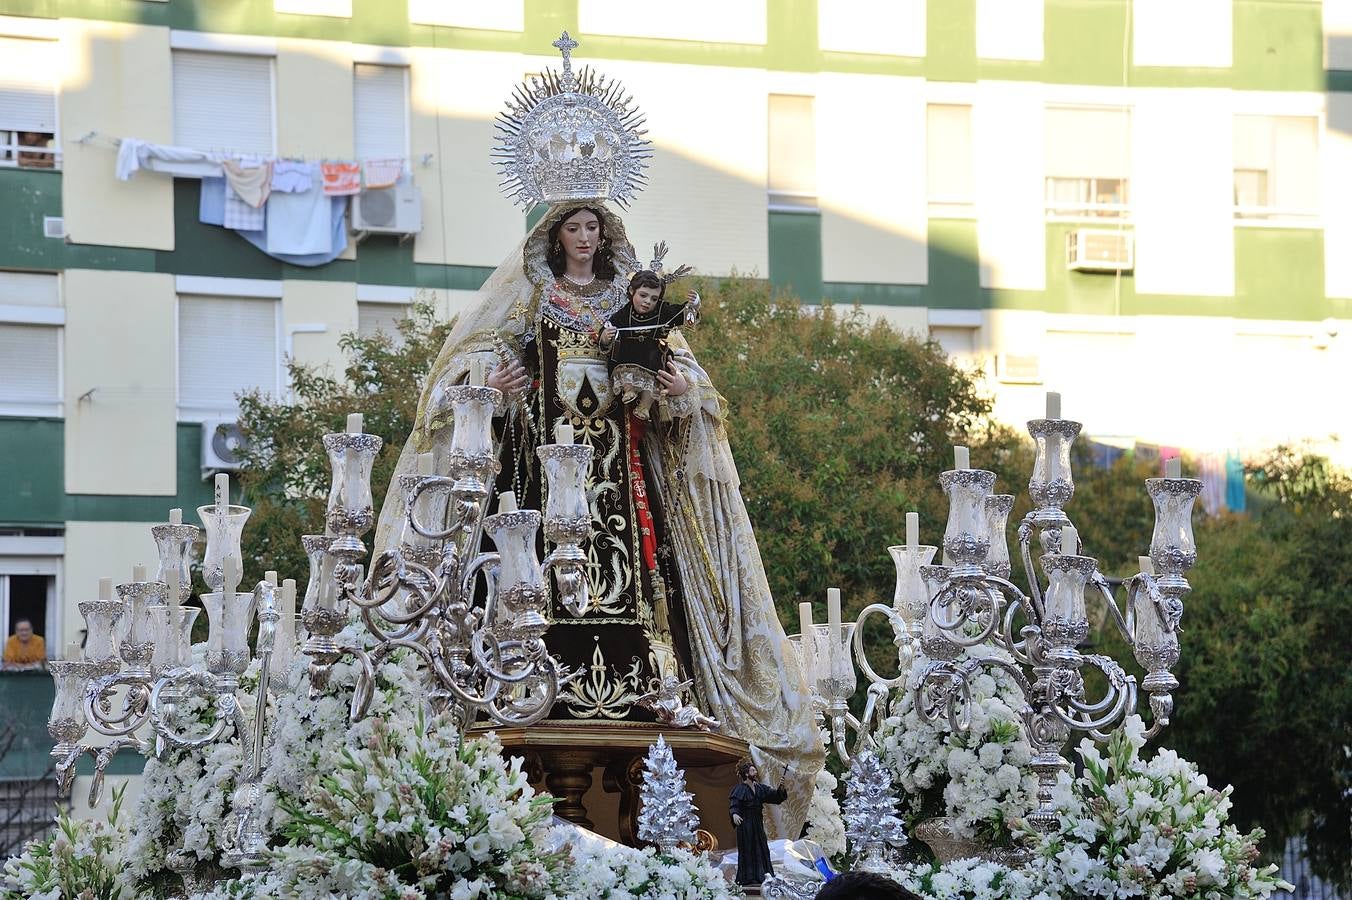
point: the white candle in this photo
(476, 372)
(913, 529)
(563, 433)
(809, 641)
(354, 423)
(1173, 467)
(175, 517)
(230, 565)
(1147, 565)
(105, 588)
(288, 610)
(1070, 541)
(138, 573)
(175, 615)
(425, 464)
(1053, 405)
(222, 493)
(961, 459)
(73, 651)
(270, 576)
(507, 501)
(833, 625)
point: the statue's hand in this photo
(509, 377)
(737, 821)
(671, 380)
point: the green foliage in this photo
(79, 859)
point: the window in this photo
(28, 135)
(30, 344)
(949, 172)
(1276, 167)
(32, 599)
(374, 317)
(1088, 162)
(709, 21)
(887, 27)
(380, 107)
(793, 153)
(226, 346)
(223, 102)
(501, 15)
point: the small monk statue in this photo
(745, 804)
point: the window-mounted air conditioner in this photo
(221, 443)
(392, 210)
(1100, 250)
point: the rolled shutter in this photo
(226, 345)
(223, 102)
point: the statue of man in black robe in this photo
(745, 804)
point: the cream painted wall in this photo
(1009, 29)
(116, 81)
(728, 21)
(120, 342)
(97, 550)
(466, 220)
(330, 303)
(1337, 176)
(1182, 192)
(1008, 155)
(502, 15)
(913, 320)
(1337, 34)
(874, 222)
(314, 99)
(706, 185)
(895, 27)
(1182, 32)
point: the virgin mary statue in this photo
(675, 579)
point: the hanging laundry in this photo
(239, 215)
(252, 181)
(341, 178)
(211, 211)
(299, 223)
(382, 173)
(134, 155)
(1213, 477)
(291, 177)
(1235, 495)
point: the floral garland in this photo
(824, 823)
(979, 778)
(81, 859)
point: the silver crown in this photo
(571, 137)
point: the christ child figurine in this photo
(636, 336)
(745, 805)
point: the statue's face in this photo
(580, 236)
(645, 300)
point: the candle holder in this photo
(102, 618)
(224, 527)
(1051, 485)
(997, 508)
(567, 521)
(175, 545)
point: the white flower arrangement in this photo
(624, 873)
(972, 879)
(80, 859)
(1129, 827)
(825, 825)
(978, 778)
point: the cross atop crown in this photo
(566, 45)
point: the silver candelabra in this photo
(938, 611)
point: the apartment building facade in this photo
(1141, 204)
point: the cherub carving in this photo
(665, 702)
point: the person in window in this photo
(745, 805)
(864, 886)
(24, 649)
(30, 160)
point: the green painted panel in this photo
(954, 265)
(849, 292)
(1279, 273)
(796, 254)
(32, 472)
(201, 249)
(25, 197)
(26, 698)
(790, 36)
(32, 479)
(1087, 293)
(950, 40)
(1279, 46)
(1086, 41)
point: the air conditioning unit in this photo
(1100, 250)
(1018, 368)
(221, 443)
(392, 210)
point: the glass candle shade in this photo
(934, 643)
(472, 408)
(351, 456)
(1065, 621)
(521, 583)
(833, 675)
(173, 639)
(1052, 484)
(997, 509)
(102, 620)
(66, 723)
(965, 540)
(139, 599)
(175, 545)
(315, 546)
(229, 618)
(567, 515)
(224, 526)
(431, 510)
(909, 598)
(1172, 548)
(1156, 616)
